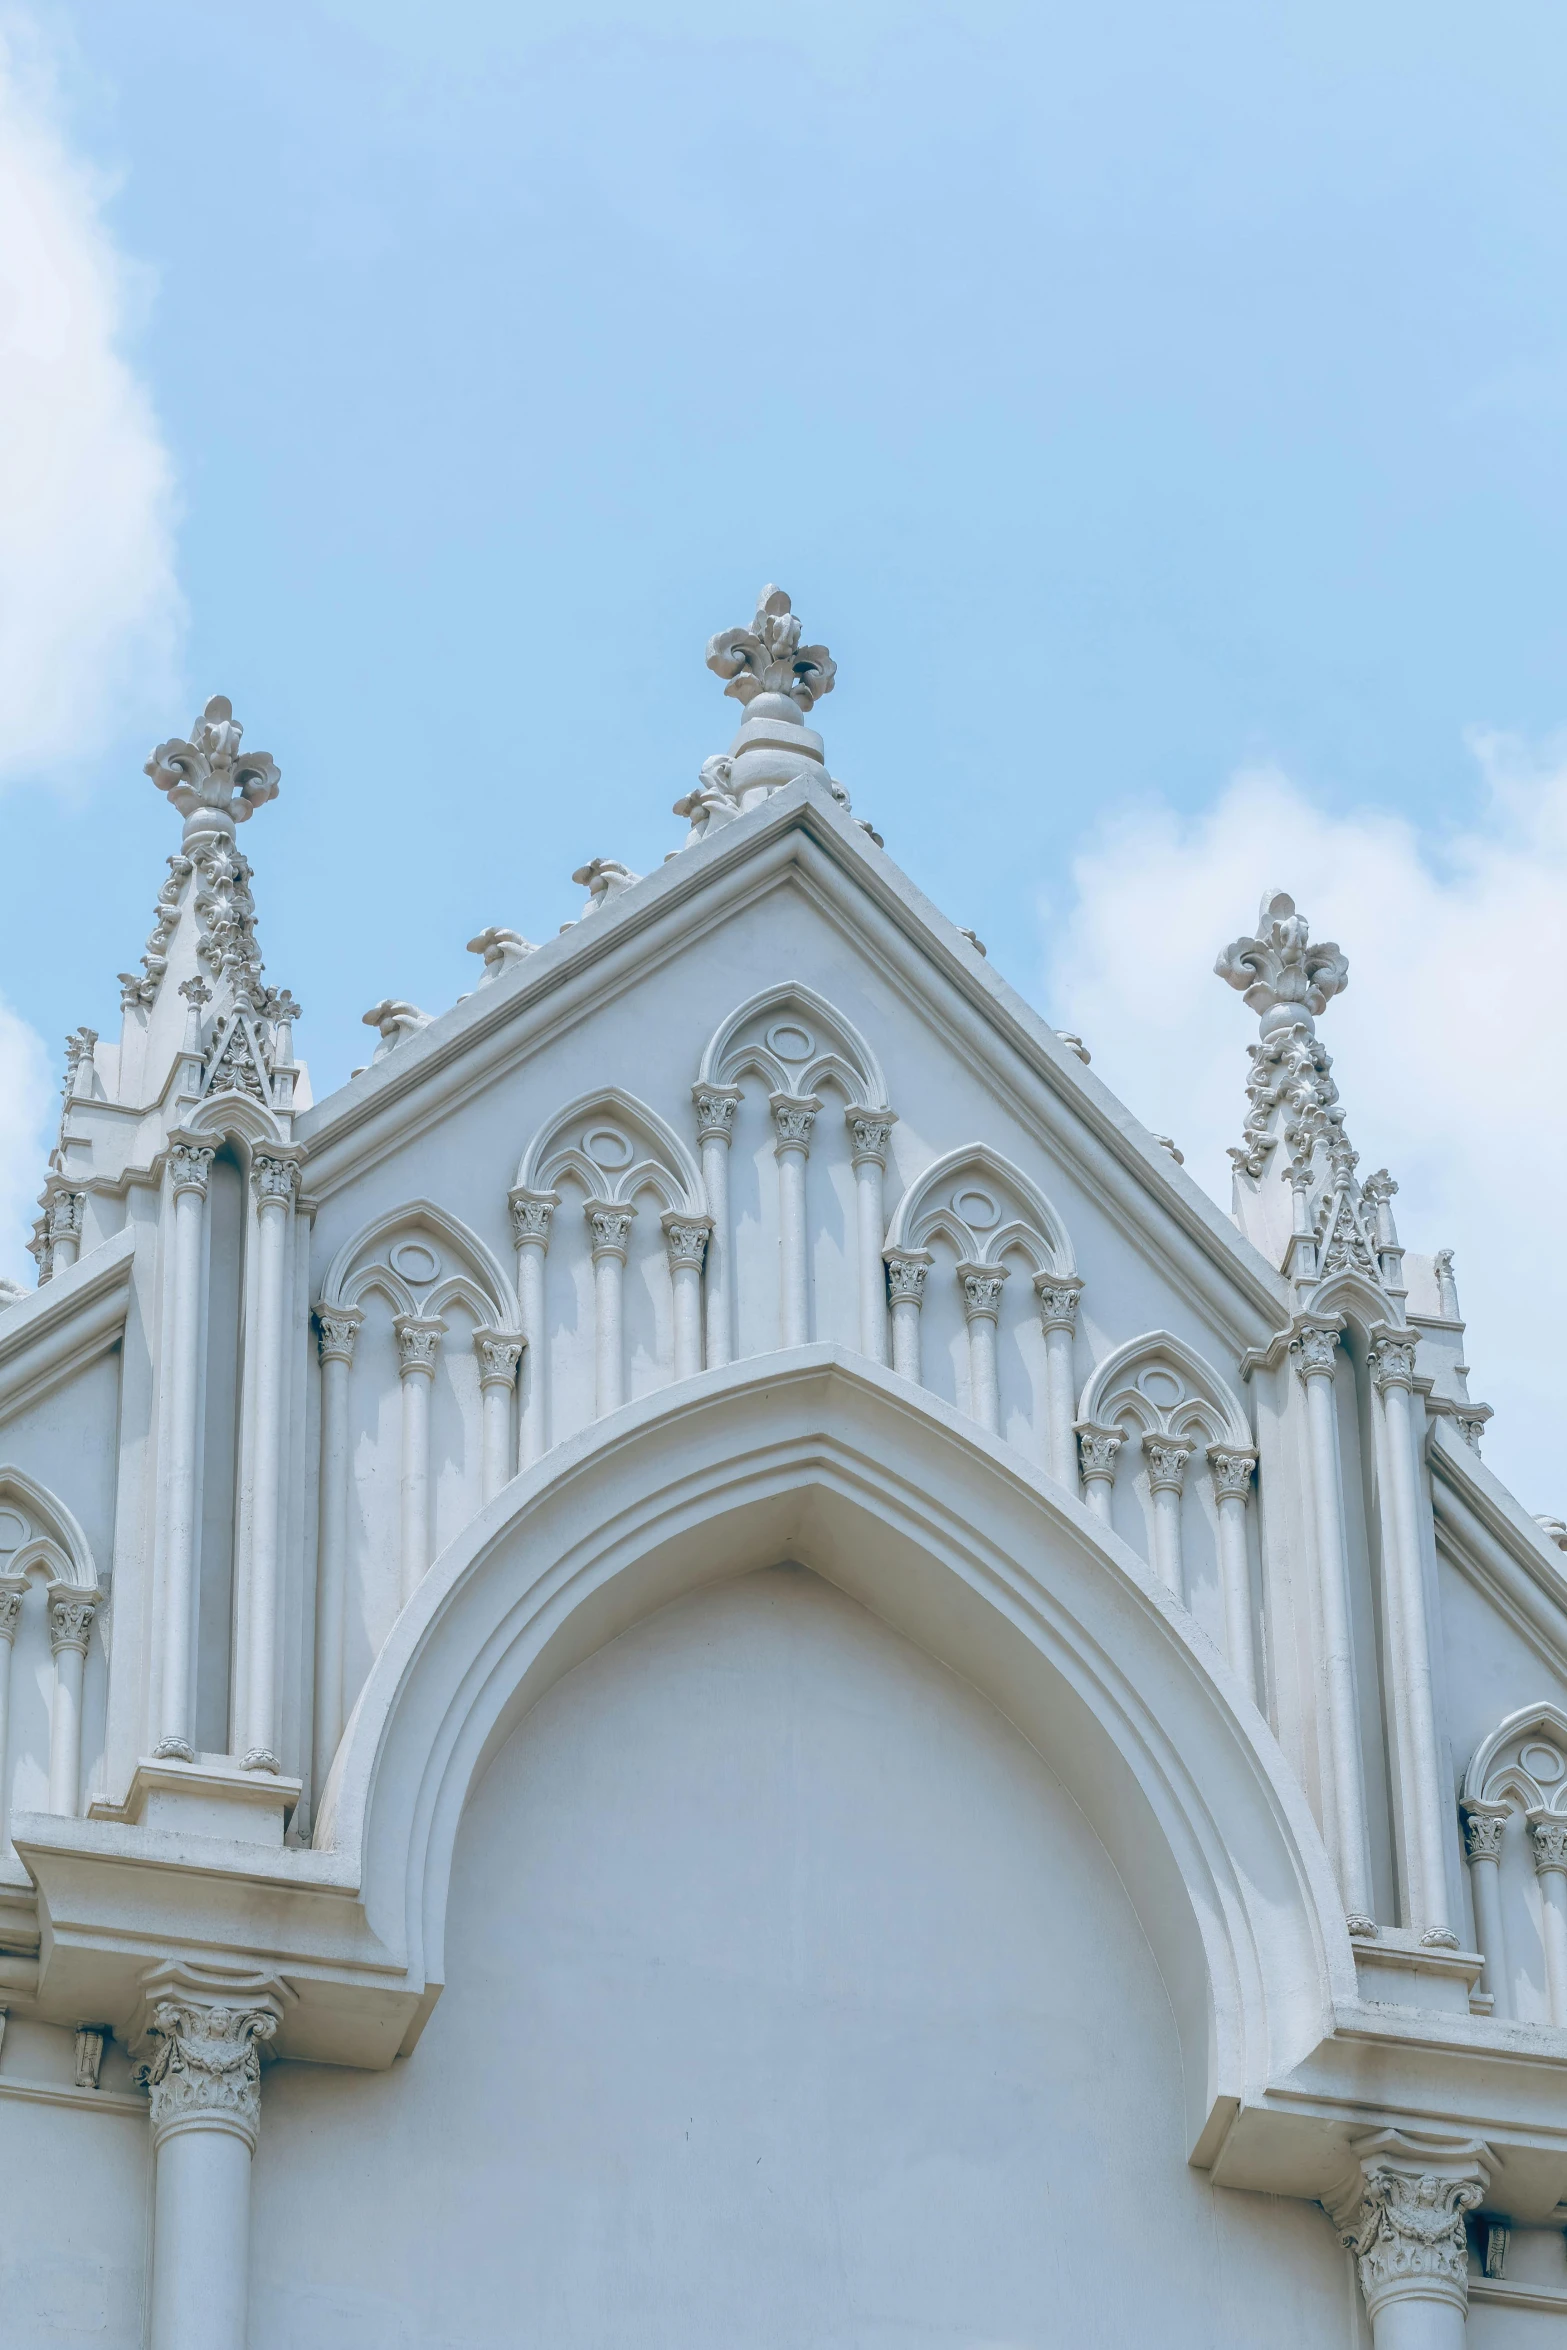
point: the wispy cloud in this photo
(25, 1102)
(90, 613)
(1448, 1046)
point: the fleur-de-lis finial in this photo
(768, 657)
(1282, 976)
(209, 779)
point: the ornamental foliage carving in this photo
(71, 1613)
(610, 1227)
(982, 1292)
(1166, 1464)
(687, 1242)
(209, 775)
(768, 657)
(906, 1279)
(1407, 2232)
(417, 1344)
(207, 2067)
(1279, 970)
(189, 1166)
(498, 1359)
(793, 1119)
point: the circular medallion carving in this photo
(13, 1532)
(1540, 1761)
(977, 1209)
(790, 1042)
(608, 1148)
(416, 1261)
(1160, 1386)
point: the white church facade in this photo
(709, 1662)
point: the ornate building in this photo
(709, 1662)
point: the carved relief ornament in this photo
(1548, 1833)
(1097, 1448)
(715, 1111)
(906, 1273)
(337, 1329)
(1058, 1301)
(686, 1238)
(611, 1229)
(71, 1613)
(1232, 1472)
(498, 1358)
(768, 657)
(418, 1342)
(1314, 1350)
(206, 2072)
(189, 1166)
(1406, 2226)
(274, 1180)
(793, 1119)
(1166, 1463)
(530, 1217)
(982, 1288)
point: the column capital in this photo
(273, 1179)
(1314, 1349)
(794, 1115)
(71, 1613)
(1058, 1295)
(610, 1227)
(1392, 1357)
(190, 1163)
(715, 1111)
(418, 1342)
(337, 1329)
(982, 1288)
(13, 1590)
(1484, 1826)
(205, 2035)
(65, 1210)
(530, 1216)
(499, 1354)
(1548, 1834)
(906, 1271)
(686, 1238)
(1402, 2212)
(869, 1134)
(1232, 1471)
(1097, 1448)
(1167, 1458)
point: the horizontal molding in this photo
(1509, 2296)
(67, 1324)
(66, 2093)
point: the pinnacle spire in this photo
(209, 779)
(777, 680)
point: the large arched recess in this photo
(818, 1457)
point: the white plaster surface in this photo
(791, 2001)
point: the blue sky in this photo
(1131, 397)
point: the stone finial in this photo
(395, 1022)
(604, 878)
(1283, 977)
(768, 657)
(209, 779)
(502, 950)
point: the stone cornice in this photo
(67, 1323)
(1487, 1535)
(800, 828)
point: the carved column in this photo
(1058, 1296)
(66, 1209)
(1097, 1448)
(1232, 1472)
(338, 1329)
(793, 1119)
(715, 1118)
(1402, 2215)
(687, 1238)
(499, 1354)
(906, 1271)
(189, 1166)
(274, 1181)
(13, 1590)
(71, 1613)
(1426, 1800)
(1315, 1353)
(869, 1131)
(204, 2097)
(1166, 1474)
(1485, 1825)
(1548, 1832)
(611, 1230)
(418, 1347)
(531, 1212)
(982, 1288)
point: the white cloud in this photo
(90, 613)
(25, 1104)
(1448, 1046)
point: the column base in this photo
(209, 1796)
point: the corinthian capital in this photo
(906, 1271)
(610, 1228)
(1314, 1350)
(71, 1613)
(189, 1166)
(793, 1118)
(1166, 1463)
(1549, 1832)
(1283, 977)
(1402, 2214)
(498, 1356)
(1058, 1300)
(1485, 1824)
(418, 1342)
(1232, 1472)
(982, 1288)
(1393, 1359)
(686, 1239)
(275, 1180)
(13, 1590)
(715, 1111)
(869, 1134)
(1097, 1448)
(530, 1217)
(205, 2070)
(337, 1329)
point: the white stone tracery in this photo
(794, 1042)
(43, 1547)
(987, 1210)
(1162, 1392)
(416, 1263)
(609, 1147)
(1515, 1798)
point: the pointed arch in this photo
(237, 1117)
(613, 1145)
(1503, 1764)
(993, 1568)
(363, 1264)
(53, 1538)
(984, 1205)
(794, 1040)
(1357, 1299)
(1168, 1389)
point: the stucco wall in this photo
(790, 2001)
